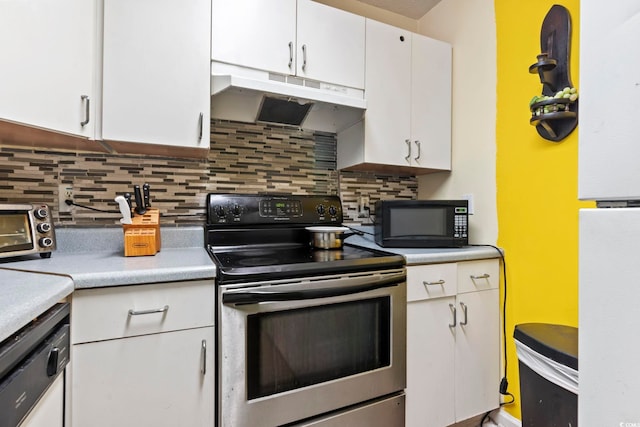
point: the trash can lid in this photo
(557, 342)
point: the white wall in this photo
(469, 25)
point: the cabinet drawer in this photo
(107, 313)
(431, 281)
(478, 275)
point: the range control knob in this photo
(236, 210)
(40, 213)
(43, 227)
(320, 209)
(219, 211)
(45, 242)
(333, 211)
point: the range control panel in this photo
(270, 209)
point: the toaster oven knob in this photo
(45, 242)
(333, 211)
(219, 211)
(43, 228)
(236, 210)
(320, 209)
(40, 213)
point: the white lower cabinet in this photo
(151, 359)
(453, 342)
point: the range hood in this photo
(250, 95)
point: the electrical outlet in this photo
(65, 192)
(469, 198)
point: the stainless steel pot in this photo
(328, 237)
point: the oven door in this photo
(296, 349)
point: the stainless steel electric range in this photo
(305, 337)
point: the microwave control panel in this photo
(460, 223)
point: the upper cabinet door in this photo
(46, 65)
(156, 72)
(255, 33)
(609, 103)
(388, 94)
(431, 103)
(330, 45)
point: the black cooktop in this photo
(263, 237)
(281, 262)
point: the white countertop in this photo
(416, 256)
(25, 296)
(89, 258)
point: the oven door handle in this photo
(263, 295)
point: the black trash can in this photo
(548, 365)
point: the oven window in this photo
(15, 233)
(418, 222)
(290, 349)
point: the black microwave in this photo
(422, 223)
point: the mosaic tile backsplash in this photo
(248, 158)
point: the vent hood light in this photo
(249, 95)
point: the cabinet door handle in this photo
(418, 145)
(484, 276)
(438, 282)
(290, 54)
(304, 57)
(203, 357)
(87, 102)
(408, 141)
(453, 312)
(464, 310)
(163, 310)
(200, 124)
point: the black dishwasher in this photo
(30, 361)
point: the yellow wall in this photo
(536, 182)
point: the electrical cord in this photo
(504, 384)
(70, 203)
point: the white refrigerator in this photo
(609, 247)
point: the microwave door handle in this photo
(258, 296)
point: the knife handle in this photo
(140, 210)
(127, 197)
(145, 195)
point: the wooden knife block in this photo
(142, 236)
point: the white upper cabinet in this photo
(156, 72)
(254, 33)
(407, 124)
(331, 45)
(430, 103)
(290, 37)
(47, 63)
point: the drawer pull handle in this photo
(453, 312)
(203, 355)
(464, 310)
(133, 312)
(484, 276)
(439, 282)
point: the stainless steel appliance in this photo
(30, 362)
(305, 336)
(422, 223)
(26, 229)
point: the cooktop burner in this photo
(263, 237)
